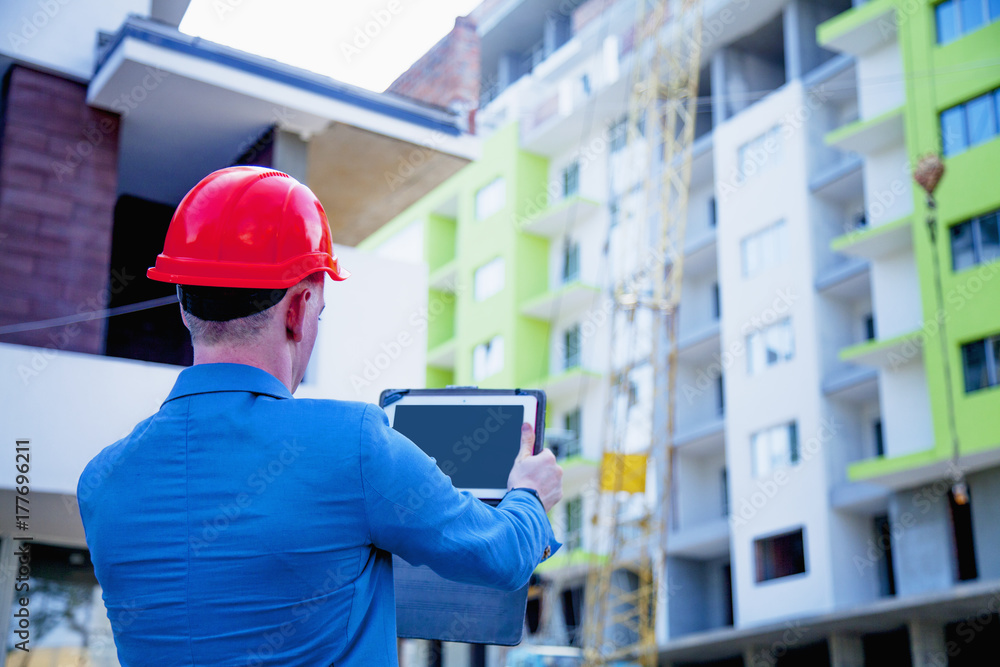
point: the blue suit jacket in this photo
(241, 526)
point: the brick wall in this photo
(447, 75)
(58, 183)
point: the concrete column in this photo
(846, 650)
(291, 155)
(793, 42)
(757, 655)
(507, 70)
(927, 644)
(719, 87)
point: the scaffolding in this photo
(649, 178)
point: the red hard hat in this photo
(247, 227)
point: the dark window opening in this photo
(727, 589)
(963, 540)
(973, 641)
(716, 301)
(571, 422)
(713, 212)
(156, 334)
(780, 556)
(572, 608)
(879, 438)
(720, 394)
(883, 545)
(869, 327)
(724, 486)
(887, 648)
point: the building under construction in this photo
(834, 448)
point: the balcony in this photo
(561, 217)
(842, 181)
(861, 29)
(705, 540)
(444, 278)
(856, 384)
(442, 355)
(848, 281)
(569, 384)
(703, 438)
(567, 300)
(874, 242)
(869, 135)
(889, 353)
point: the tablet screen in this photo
(475, 445)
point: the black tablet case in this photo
(428, 606)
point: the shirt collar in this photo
(208, 378)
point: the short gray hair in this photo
(240, 331)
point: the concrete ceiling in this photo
(366, 179)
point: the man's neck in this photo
(276, 365)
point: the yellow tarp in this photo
(630, 469)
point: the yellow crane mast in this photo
(627, 583)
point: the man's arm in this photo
(415, 512)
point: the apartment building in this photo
(814, 520)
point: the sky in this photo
(367, 43)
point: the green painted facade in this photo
(456, 245)
(960, 71)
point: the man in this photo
(240, 526)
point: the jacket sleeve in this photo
(414, 512)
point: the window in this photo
(571, 261)
(760, 153)
(571, 422)
(975, 241)
(571, 180)
(573, 538)
(764, 249)
(774, 448)
(716, 302)
(487, 358)
(869, 327)
(780, 556)
(572, 608)
(571, 347)
(633, 393)
(883, 542)
(491, 198)
(488, 279)
(770, 346)
(957, 17)
(618, 135)
(720, 394)
(970, 124)
(713, 212)
(879, 438)
(964, 540)
(979, 361)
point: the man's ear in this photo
(295, 316)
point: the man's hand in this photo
(540, 472)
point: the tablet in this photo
(473, 434)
